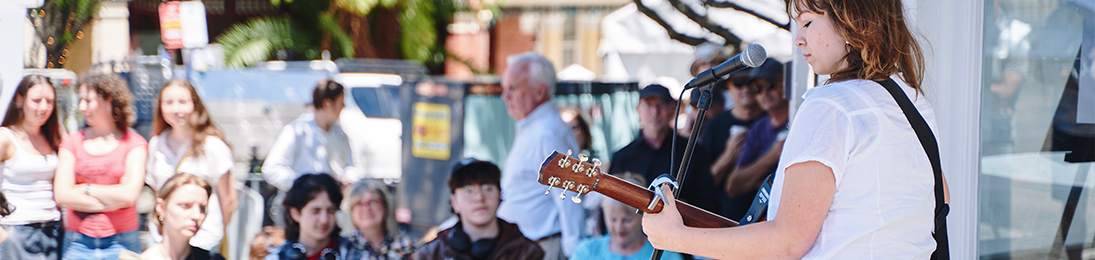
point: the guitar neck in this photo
(575, 174)
(639, 197)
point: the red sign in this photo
(170, 25)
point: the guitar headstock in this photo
(570, 173)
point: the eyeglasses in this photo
(483, 189)
(369, 204)
(758, 86)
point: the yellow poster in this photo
(430, 133)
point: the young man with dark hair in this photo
(479, 233)
(314, 142)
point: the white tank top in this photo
(27, 182)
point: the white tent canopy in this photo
(636, 48)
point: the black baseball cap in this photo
(656, 90)
(770, 69)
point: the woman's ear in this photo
(295, 214)
(161, 207)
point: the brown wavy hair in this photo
(173, 183)
(52, 129)
(879, 39)
(112, 87)
(199, 119)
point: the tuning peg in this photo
(596, 163)
(582, 189)
(551, 182)
(567, 185)
(583, 157)
(565, 161)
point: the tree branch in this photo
(731, 39)
(668, 28)
(731, 5)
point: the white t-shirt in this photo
(304, 148)
(214, 162)
(884, 203)
(26, 179)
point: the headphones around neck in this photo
(459, 241)
(295, 251)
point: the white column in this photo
(13, 15)
(952, 80)
(111, 27)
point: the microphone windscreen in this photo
(754, 55)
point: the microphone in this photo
(753, 56)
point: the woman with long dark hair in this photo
(28, 155)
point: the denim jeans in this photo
(79, 246)
(33, 241)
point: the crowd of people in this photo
(818, 170)
(96, 173)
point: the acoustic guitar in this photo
(578, 175)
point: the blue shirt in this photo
(523, 202)
(597, 248)
(760, 138)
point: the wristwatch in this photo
(87, 189)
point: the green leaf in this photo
(256, 40)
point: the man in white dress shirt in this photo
(313, 143)
(527, 87)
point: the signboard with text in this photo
(183, 25)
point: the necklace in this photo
(22, 135)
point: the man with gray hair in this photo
(527, 87)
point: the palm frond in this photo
(254, 41)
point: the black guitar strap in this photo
(760, 203)
(927, 139)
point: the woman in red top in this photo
(100, 173)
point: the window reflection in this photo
(1038, 130)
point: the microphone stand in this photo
(703, 104)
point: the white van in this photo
(371, 123)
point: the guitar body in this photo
(572, 174)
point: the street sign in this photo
(194, 30)
(183, 25)
(171, 25)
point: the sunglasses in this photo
(758, 86)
